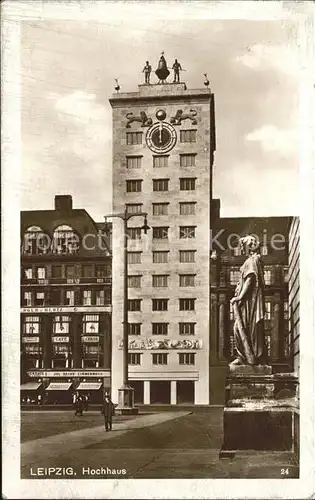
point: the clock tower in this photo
(163, 153)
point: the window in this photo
(268, 311)
(70, 271)
(234, 276)
(134, 233)
(90, 324)
(187, 280)
(159, 304)
(56, 271)
(103, 271)
(88, 271)
(160, 184)
(65, 240)
(35, 241)
(187, 255)
(133, 138)
(160, 208)
(188, 136)
(187, 304)
(187, 184)
(61, 325)
(100, 297)
(27, 299)
(134, 281)
(187, 231)
(159, 359)
(160, 161)
(231, 313)
(134, 208)
(187, 208)
(87, 297)
(41, 273)
(55, 297)
(134, 257)
(160, 257)
(267, 277)
(264, 250)
(134, 186)
(286, 310)
(160, 280)
(39, 299)
(134, 162)
(31, 325)
(134, 328)
(69, 297)
(187, 160)
(160, 233)
(134, 358)
(159, 328)
(186, 358)
(187, 328)
(28, 273)
(134, 305)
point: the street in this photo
(180, 444)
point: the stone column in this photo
(173, 392)
(276, 338)
(107, 341)
(222, 325)
(213, 327)
(76, 330)
(146, 392)
(46, 335)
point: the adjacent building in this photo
(65, 303)
(294, 291)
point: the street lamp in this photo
(126, 392)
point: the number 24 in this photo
(284, 472)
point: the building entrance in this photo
(185, 391)
(137, 385)
(160, 392)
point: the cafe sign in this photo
(30, 340)
(60, 340)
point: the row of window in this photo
(186, 358)
(68, 271)
(135, 185)
(68, 298)
(161, 280)
(161, 161)
(161, 232)
(134, 138)
(185, 208)
(162, 304)
(269, 311)
(235, 277)
(162, 328)
(61, 324)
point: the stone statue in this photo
(147, 72)
(248, 306)
(177, 68)
(162, 71)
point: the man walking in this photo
(108, 410)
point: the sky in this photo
(68, 69)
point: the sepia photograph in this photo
(158, 174)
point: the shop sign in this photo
(90, 338)
(60, 339)
(69, 373)
(30, 340)
(67, 309)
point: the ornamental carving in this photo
(142, 118)
(181, 116)
(153, 343)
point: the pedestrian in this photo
(108, 411)
(86, 402)
(78, 404)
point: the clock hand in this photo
(160, 133)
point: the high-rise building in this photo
(163, 153)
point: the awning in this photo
(89, 386)
(31, 386)
(59, 386)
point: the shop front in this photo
(59, 393)
(32, 393)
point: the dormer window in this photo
(65, 241)
(36, 242)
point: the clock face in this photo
(161, 137)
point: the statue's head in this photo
(249, 244)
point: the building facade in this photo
(65, 304)
(226, 260)
(294, 291)
(163, 152)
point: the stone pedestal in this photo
(126, 401)
(259, 411)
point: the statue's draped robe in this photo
(251, 310)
